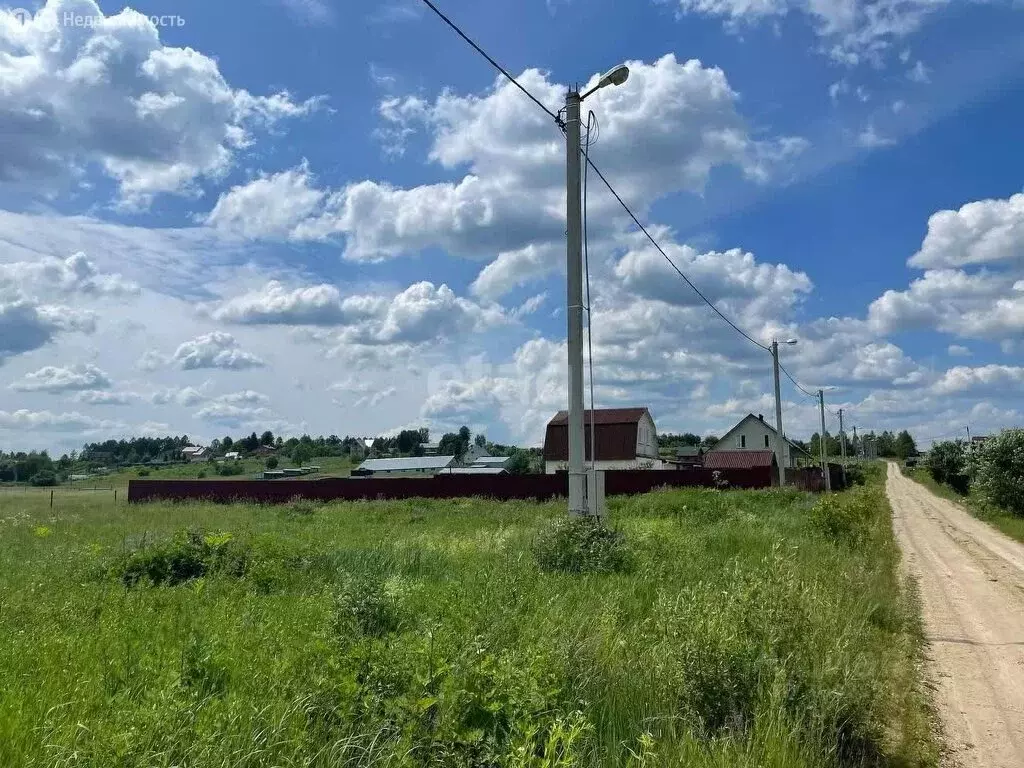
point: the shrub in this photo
(231, 469)
(855, 475)
(272, 462)
(582, 545)
(190, 554)
(202, 474)
(44, 479)
(947, 463)
(143, 473)
(846, 518)
(1000, 471)
(365, 606)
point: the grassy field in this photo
(1011, 525)
(763, 629)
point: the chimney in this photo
(760, 416)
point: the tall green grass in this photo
(763, 629)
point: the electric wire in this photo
(671, 263)
(493, 63)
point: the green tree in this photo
(272, 462)
(480, 440)
(905, 446)
(886, 445)
(226, 443)
(451, 445)
(302, 453)
(519, 463)
(947, 463)
(999, 469)
(267, 438)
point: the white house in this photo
(753, 433)
(193, 453)
(624, 438)
(232, 455)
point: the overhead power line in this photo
(493, 63)
(796, 383)
(672, 263)
(597, 170)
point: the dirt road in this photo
(972, 592)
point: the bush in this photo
(855, 475)
(201, 475)
(947, 463)
(582, 545)
(846, 518)
(365, 606)
(143, 473)
(999, 471)
(44, 479)
(190, 554)
(272, 462)
(231, 469)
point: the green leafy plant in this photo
(44, 479)
(365, 606)
(947, 463)
(999, 470)
(582, 545)
(190, 554)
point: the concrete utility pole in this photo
(780, 453)
(579, 503)
(856, 447)
(822, 448)
(842, 444)
(574, 270)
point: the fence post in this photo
(51, 499)
(115, 497)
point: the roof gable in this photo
(756, 420)
(603, 416)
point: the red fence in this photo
(501, 487)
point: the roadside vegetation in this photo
(701, 628)
(987, 480)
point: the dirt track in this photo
(972, 592)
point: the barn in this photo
(625, 438)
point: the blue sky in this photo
(326, 217)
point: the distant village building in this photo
(473, 453)
(430, 449)
(688, 457)
(232, 455)
(193, 453)
(753, 433)
(625, 438)
(500, 462)
(413, 466)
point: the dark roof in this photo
(738, 459)
(687, 451)
(603, 416)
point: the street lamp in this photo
(579, 504)
(779, 454)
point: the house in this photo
(475, 470)
(625, 438)
(688, 457)
(232, 455)
(742, 459)
(413, 466)
(265, 450)
(430, 449)
(500, 462)
(193, 453)
(473, 453)
(753, 433)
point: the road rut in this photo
(971, 580)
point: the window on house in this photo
(766, 445)
(743, 441)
